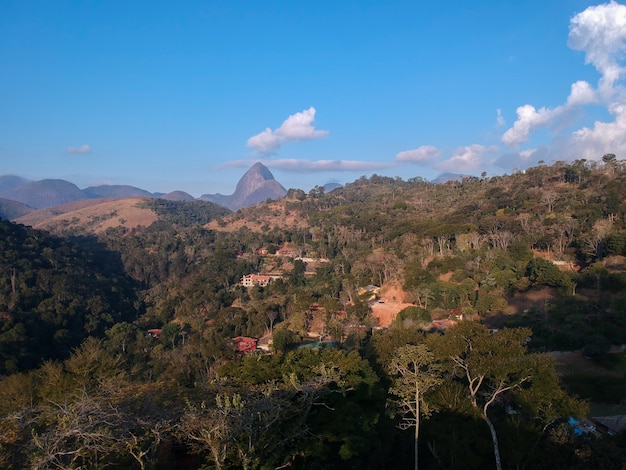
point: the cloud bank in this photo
(599, 32)
(423, 154)
(79, 150)
(467, 159)
(298, 126)
(295, 165)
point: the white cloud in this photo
(265, 142)
(528, 119)
(500, 122)
(600, 32)
(316, 165)
(298, 126)
(425, 153)
(581, 93)
(468, 158)
(527, 154)
(604, 137)
(79, 150)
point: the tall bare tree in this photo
(414, 372)
(489, 365)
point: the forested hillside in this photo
(118, 350)
(54, 293)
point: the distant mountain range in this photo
(19, 196)
(47, 193)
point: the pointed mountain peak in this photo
(258, 169)
(255, 177)
(256, 185)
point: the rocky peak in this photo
(253, 179)
(255, 186)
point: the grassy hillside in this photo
(95, 216)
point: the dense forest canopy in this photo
(116, 348)
(54, 293)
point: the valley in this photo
(150, 332)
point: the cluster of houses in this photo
(262, 280)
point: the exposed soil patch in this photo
(562, 265)
(392, 299)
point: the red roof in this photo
(155, 333)
(245, 344)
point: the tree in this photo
(119, 337)
(413, 315)
(610, 162)
(414, 372)
(283, 339)
(206, 428)
(329, 406)
(170, 334)
(79, 433)
(548, 198)
(491, 367)
(594, 243)
(543, 272)
(422, 295)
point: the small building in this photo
(260, 280)
(244, 344)
(154, 333)
(250, 280)
(370, 292)
(611, 425)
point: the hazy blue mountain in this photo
(9, 182)
(45, 193)
(445, 177)
(255, 186)
(328, 187)
(178, 196)
(115, 190)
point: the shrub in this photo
(414, 314)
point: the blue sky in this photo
(188, 95)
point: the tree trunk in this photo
(417, 424)
(494, 440)
(13, 280)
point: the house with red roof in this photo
(245, 345)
